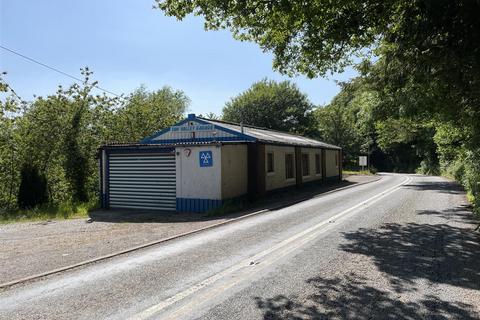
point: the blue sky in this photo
(127, 43)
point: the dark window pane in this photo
(270, 165)
(289, 167)
(317, 164)
(305, 164)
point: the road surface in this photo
(399, 248)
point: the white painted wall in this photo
(197, 182)
(234, 171)
(277, 179)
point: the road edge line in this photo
(181, 235)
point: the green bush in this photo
(428, 168)
(465, 168)
(471, 178)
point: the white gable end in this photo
(194, 130)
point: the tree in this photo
(336, 126)
(59, 135)
(211, 116)
(9, 140)
(409, 144)
(348, 120)
(274, 105)
(431, 45)
(146, 112)
(48, 146)
(314, 37)
(428, 70)
(310, 37)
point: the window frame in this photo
(305, 156)
(318, 164)
(272, 154)
(292, 158)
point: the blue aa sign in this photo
(206, 158)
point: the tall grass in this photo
(61, 211)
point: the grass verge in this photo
(49, 212)
(364, 172)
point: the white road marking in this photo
(244, 270)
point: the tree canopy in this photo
(145, 112)
(425, 78)
(52, 141)
(274, 105)
(414, 106)
(314, 37)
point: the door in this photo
(142, 181)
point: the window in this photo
(318, 168)
(270, 163)
(305, 165)
(289, 166)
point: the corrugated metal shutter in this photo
(142, 181)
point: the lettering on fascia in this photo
(200, 127)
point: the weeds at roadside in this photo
(362, 172)
(61, 211)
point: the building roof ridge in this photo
(254, 127)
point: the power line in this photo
(57, 70)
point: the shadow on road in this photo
(438, 253)
(441, 254)
(456, 214)
(406, 254)
(351, 297)
(449, 187)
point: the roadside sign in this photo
(206, 158)
(362, 161)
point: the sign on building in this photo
(198, 127)
(206, 158)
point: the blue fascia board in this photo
(193, 141)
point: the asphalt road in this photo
(399, 248)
